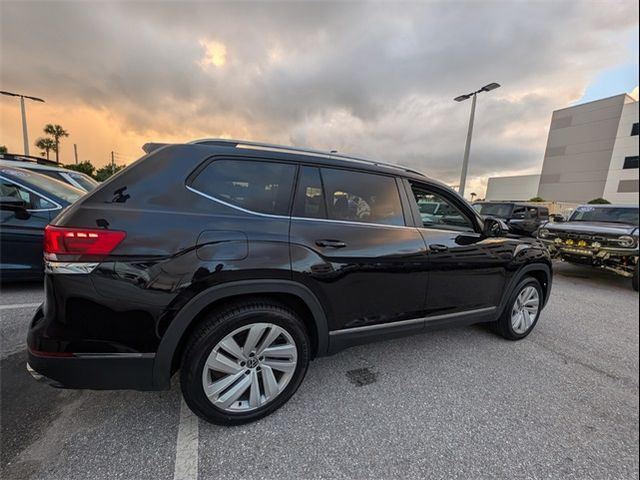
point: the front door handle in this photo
(330, 243)
(438, 247)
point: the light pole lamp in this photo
(467, 147)
(25, 134)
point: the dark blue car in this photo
(28, 202)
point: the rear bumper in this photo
(49, 363)
(95, 372)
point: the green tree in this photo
(57, 132)
(105, 172)
(537, 199)
(45, 145)
(3, 149)
(84, 167)
(599, 201)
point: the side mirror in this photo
(15, 205)
(557, 218)
(494, 227)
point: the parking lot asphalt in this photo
(460, 403)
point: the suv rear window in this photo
(258, 186)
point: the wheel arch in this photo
(291, 294)
(541, 271)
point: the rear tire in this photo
(258, 348)
(521, 312)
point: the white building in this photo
(592, 151)
(521, 187)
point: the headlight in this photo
(543, 233)
(558, 240)
(626, 241)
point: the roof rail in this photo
(18, 157)
(284, 148)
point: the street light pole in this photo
(25, 133)
(467, 147)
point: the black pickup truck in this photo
(602, 236)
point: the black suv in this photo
(521, 218)
(237, 263)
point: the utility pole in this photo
(75, 152)
(467, 147)
(113, 164)
(25, 134)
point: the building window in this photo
(630, 162)
(634, 129)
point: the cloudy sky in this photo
(375, 79)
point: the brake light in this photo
(79, 244)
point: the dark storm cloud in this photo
(372, 78)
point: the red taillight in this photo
(79, 244)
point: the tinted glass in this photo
(635, 129)
(263, 187)
(544, 213)
(631, 162)
(362, 197)
(437, 212)
(588, 213)
(57, 188)
(85, 181)
(31, 200)
(309, 201)
(498, 210)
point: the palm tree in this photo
(46, 145)
(473, 195)
(56, 131)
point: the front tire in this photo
(521, 312)
(244, 362)
(634, 280)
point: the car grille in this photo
(585, 239)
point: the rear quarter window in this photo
(259, 186)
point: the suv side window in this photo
(258, 186)
(543, 213)
(32, 201)
(309, 201)
(362, 197)
(437, 212)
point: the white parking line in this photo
(186, 466)
(19, 305)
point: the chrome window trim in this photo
(286, 217)
(412, 321)
(58, 206)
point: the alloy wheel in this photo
(525, 309)
(249, 367)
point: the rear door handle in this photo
(438, 247)
(330, 243)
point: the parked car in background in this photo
(236, 263)
(601, 236)
(28, 202)
(521, 218)
(75, 179)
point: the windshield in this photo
(499, 210)
(60, 189)
(588, 213)
(85, 181)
